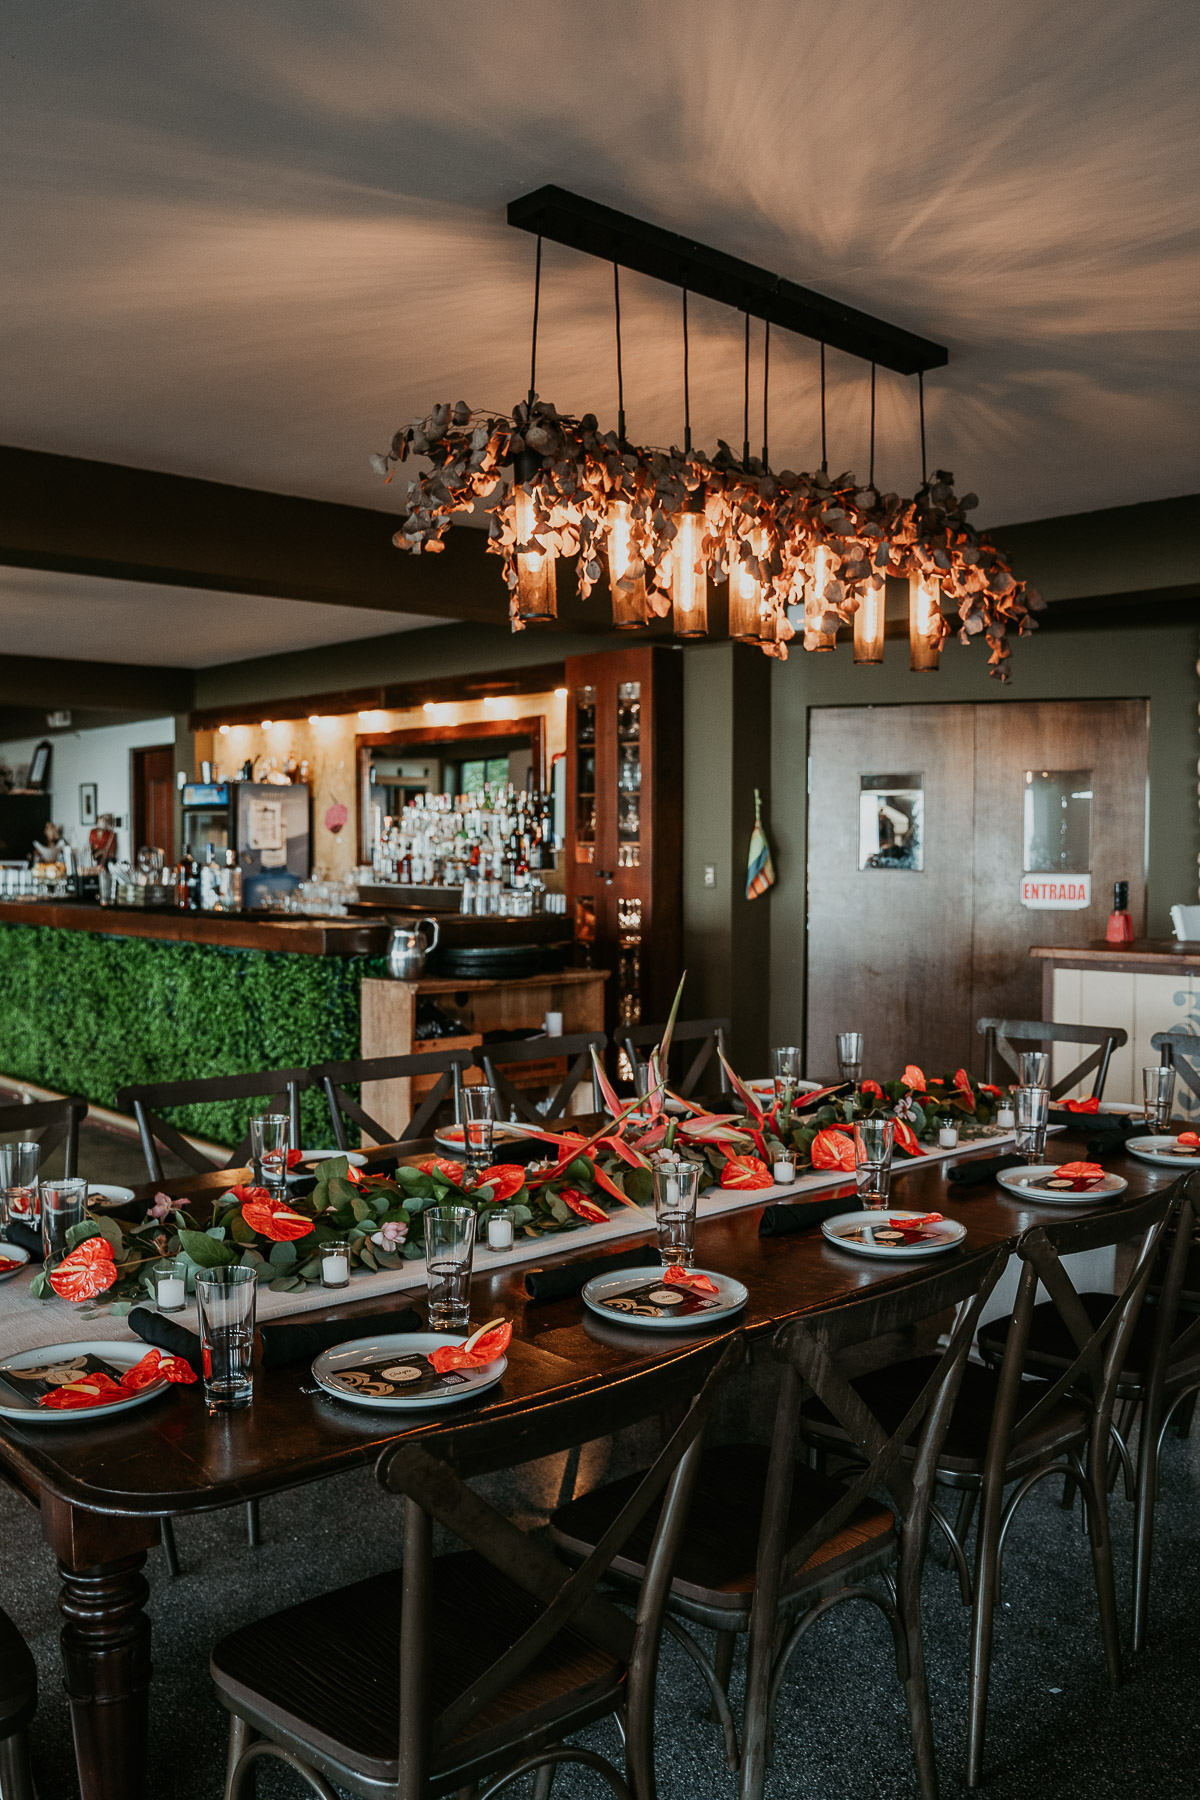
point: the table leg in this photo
(105, 1644)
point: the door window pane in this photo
(891, 822)
(1057, 836)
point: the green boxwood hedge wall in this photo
(84, 1013)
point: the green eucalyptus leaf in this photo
(205, 1251)
(120, 1307)
(40, 1286)
(283, 1256)
(79, 1234)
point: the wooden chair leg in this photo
(916, 1687)
(987, 1577)
(723, 1666)
(16, 1776)
(1183, 1418)
(1102, 1563)
(240, 1738)
(170, 1552)
(253, 1524)
(543, 1781)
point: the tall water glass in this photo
(1158, 1094)
(479, 1119)
(1033, 1068)
(785, 1067)
(449, 1248)
(225, 1304)
(63, 1205)
(1033, 1114)
(270, 1136)
(850, 1056)
(873, 1140)
(19, 1183)
(676, 1189)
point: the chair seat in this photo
(719, 1549)
(1052, 1347)
(326, 1672)
(18, 1679)
(890, 1392)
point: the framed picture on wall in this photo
(87, 803)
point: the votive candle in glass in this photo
(335, 1263)
(500, 1229)
(947, 1137)
(784, 1172)
(170, 1285)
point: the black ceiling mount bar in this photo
(585, 225)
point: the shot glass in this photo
(225, 1304)
(335, 1263)
(63, 1205)
(19, 1183)
(850, 1056)
(449, 1247)
(479, 1118)
(269, 1139)
(170, 1284)
(1158, 1094)
(676, 1188)
(1033, 1113)
(1033, 1068)
(785, 1066)
(873, 1139)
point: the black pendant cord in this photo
(687, 404)
(620, 375)
(746, 401)
(871, 476)
(824, 451)
(766, 392)
(921, 405)
(537, 300)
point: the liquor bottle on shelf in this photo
(1120, 923)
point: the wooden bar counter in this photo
(1150, 985)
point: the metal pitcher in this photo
(408, 950)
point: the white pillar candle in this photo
(784, 1172)
(500, 1234)
(335, 1271)
(552, 1024)
(947, 1136)
(171, 1293)
(1006, 1118)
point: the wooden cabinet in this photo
(625, 823)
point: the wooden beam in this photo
(134, 688)
(397, 696)
(95, 518)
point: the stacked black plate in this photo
(500, 962)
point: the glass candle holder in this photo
(335, 1263)
(784, 1172)
(500, 1228)
(170, 1285)
(947, 1137)
(1006, 1118)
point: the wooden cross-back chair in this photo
(1000, 1033)
(51, 1122)
(770, 1545)
(18, 1703)
(710, 1034)
(447, 1065)
(472, 1668)
(1006, 1429)
(1180, 1050)
(143, 1102)
(576, 1046)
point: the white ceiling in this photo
(246, 242)
(88, 619)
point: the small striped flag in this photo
(760, 873)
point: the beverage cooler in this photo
(269, 828)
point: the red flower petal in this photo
(492, 1344)
(832, 1149)
(585, 1208)
(506, 1179)
(689, 1278)
(913, 1078)
(279, 1223)
(748, 1172)
(442, 1165)
(88, 1270)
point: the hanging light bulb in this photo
(868, 625)
(689, 577)
(815, 637)
(537, 585)
(749, 616)
(924, 621)
(630, 606)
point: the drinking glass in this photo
(479, 1104)
(63, 1205)
(1034, 1068)
(225, 1302)
(170, 1284)
(1033, 1113)
(873, 1139)
(850, 1056)
(785, 1060)
(269, 1135)
(676, 1188)
(449, 1245)
(1158, 1093)
(19, 1183)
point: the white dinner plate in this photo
(1020, 1182)
(344, 1356)
(451, 1136)
(1160, 1152)
(731, 1296)
(101, 1194)
(12, 1253)
(120, 1356)
(841, 1230)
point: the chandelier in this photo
(802, 554)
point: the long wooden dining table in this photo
(103, 1488)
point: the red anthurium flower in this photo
(88, 1270)
(746, 1172)
(98, 1389)
(585, 1208)
(441, 1165)
(689, 1278)
(832, 1149)
(873, 1088)
(1189, 1139)
(988, 1087)
(906, 1139)
(505, 1179)
(913, 1078)
(1084, 1106)
(1080, 1171)
(962, 1085)
(274, 1220)
(484, 1348)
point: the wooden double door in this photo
(921, 823)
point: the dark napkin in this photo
(799, 1215)
(166, 1335)
(284, 1344)
(571, 1278)
(973, 1173)
(25, 1237)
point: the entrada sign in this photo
(1056, 893)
